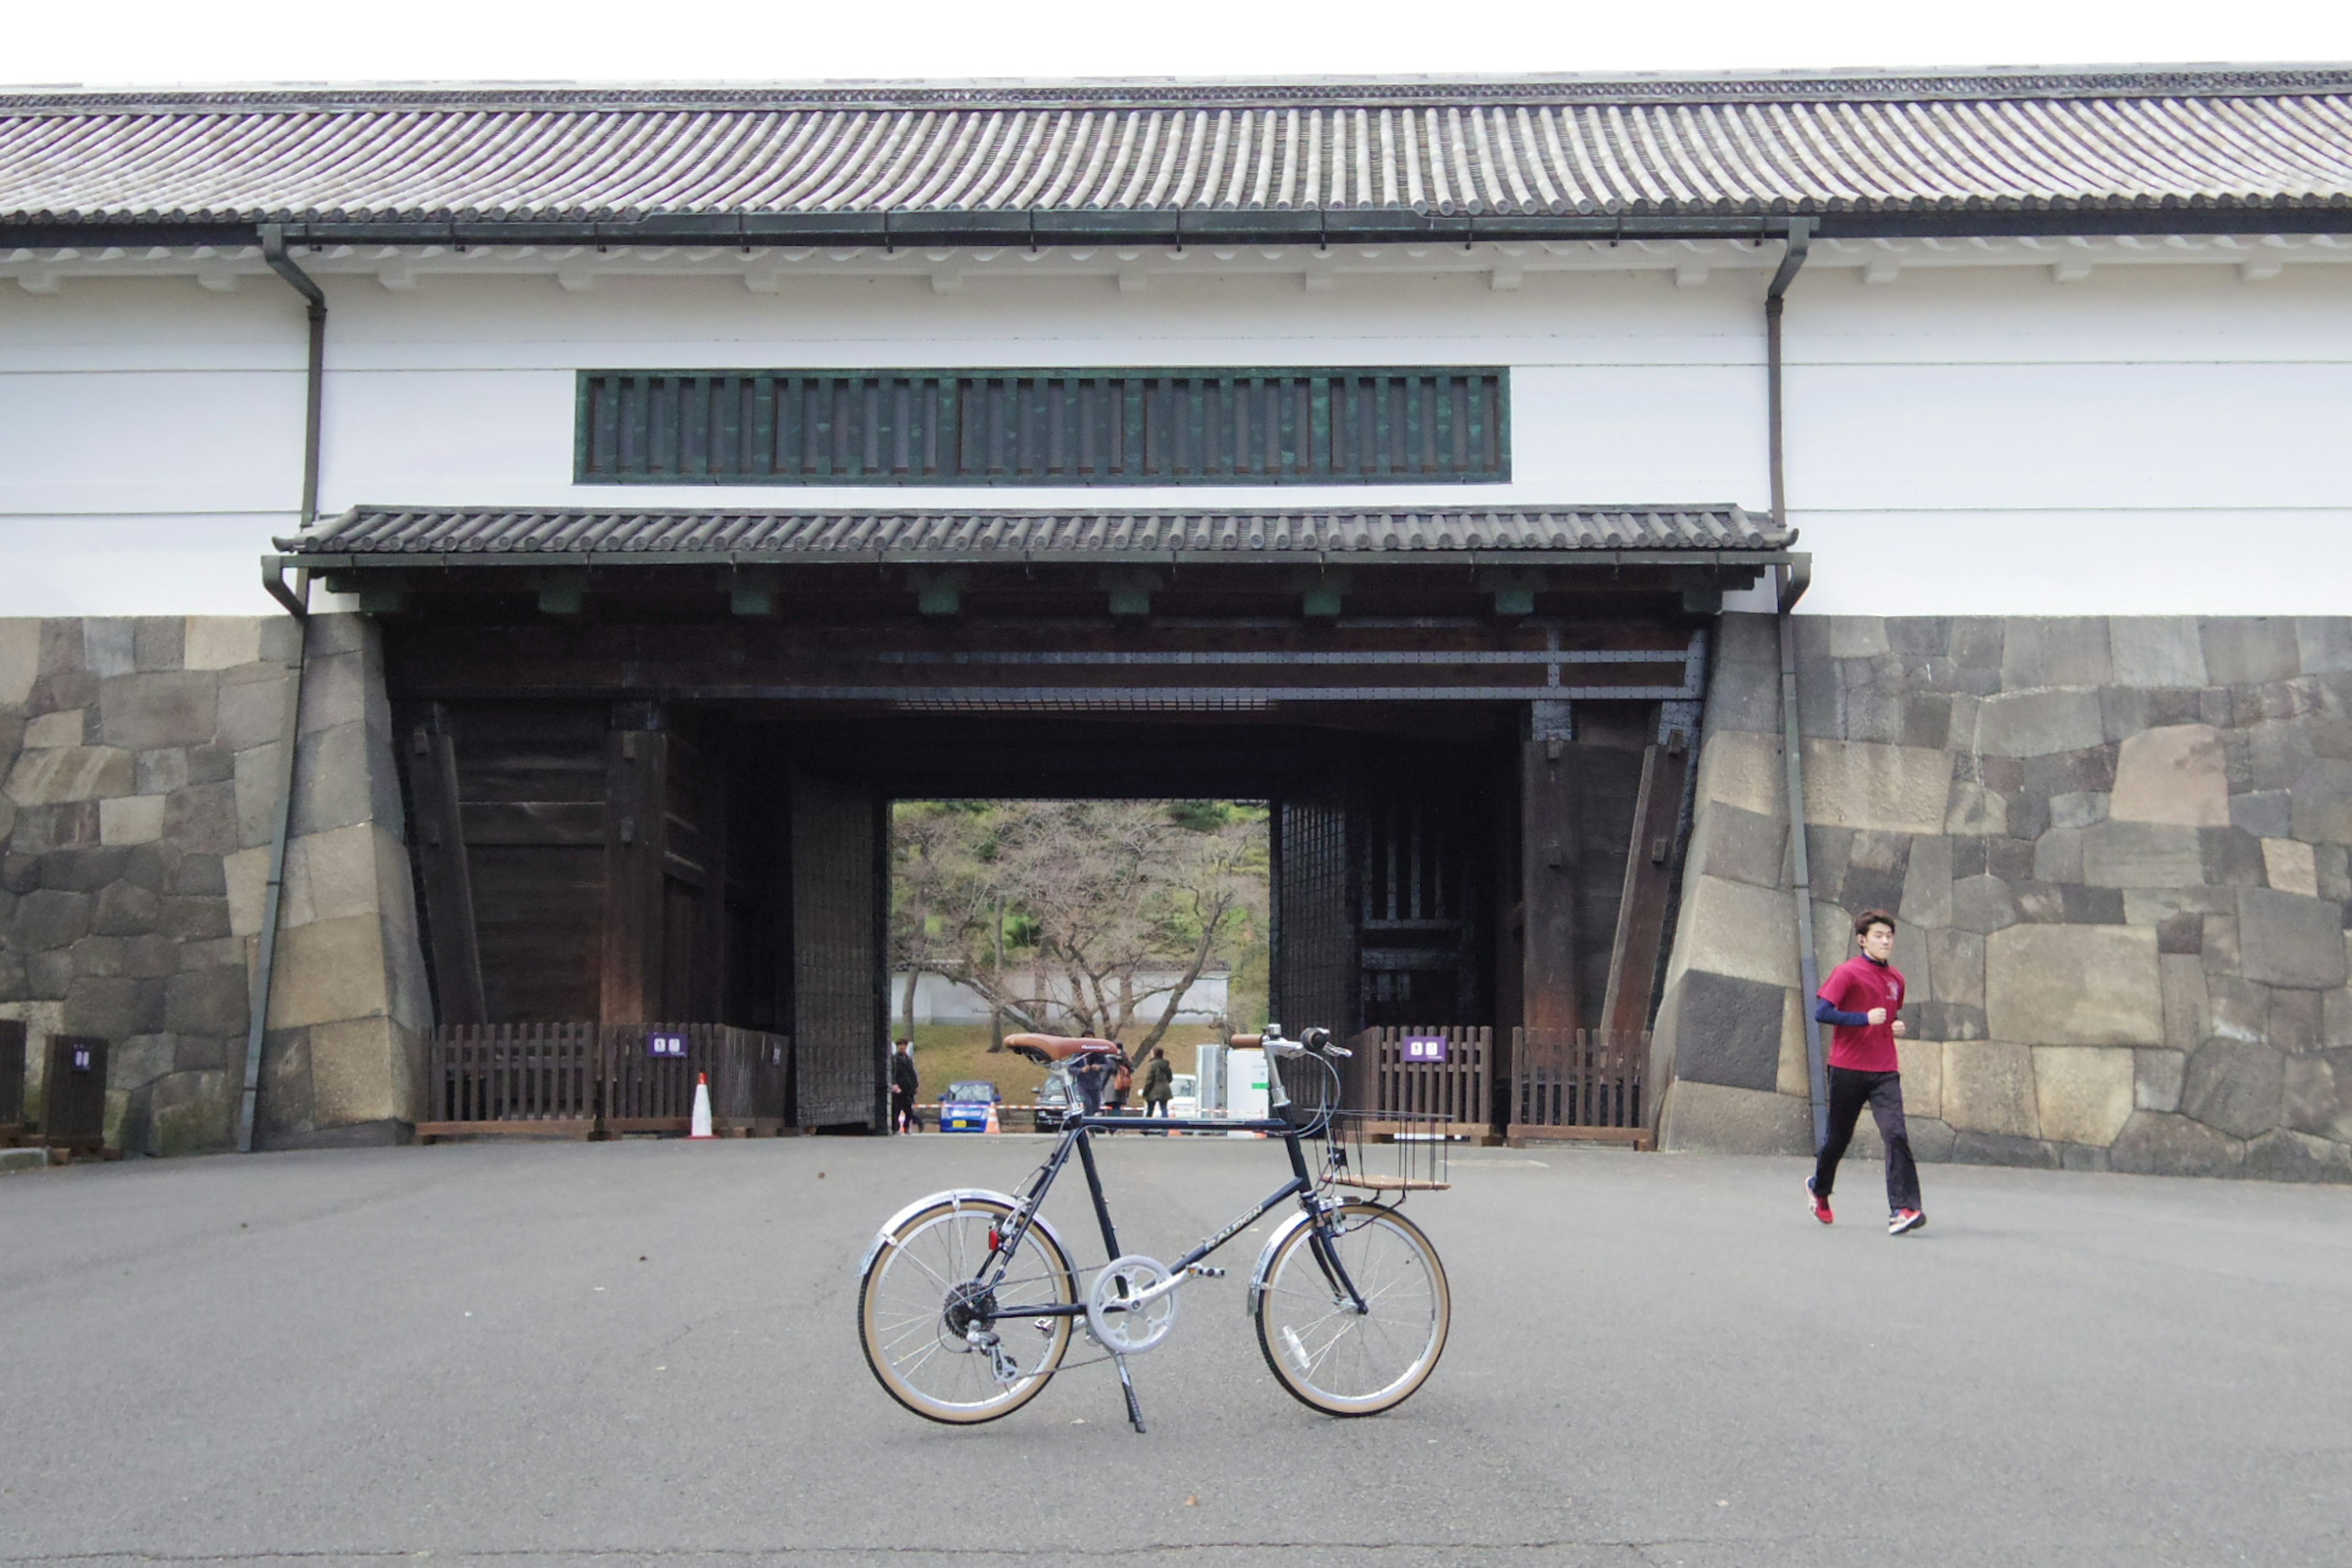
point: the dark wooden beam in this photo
(1548, 877)
(635, 848)
(442, 859)
(1649, 886)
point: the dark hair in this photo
(1869, 917)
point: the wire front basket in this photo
(1389, 1151)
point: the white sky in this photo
(111, 42)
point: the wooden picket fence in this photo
(1555, 1085)
(1578, 1084)
(1455, 1096)
(600, 1080)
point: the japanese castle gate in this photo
(649, 756)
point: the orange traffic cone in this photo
(701, 1126)
(993, 1127)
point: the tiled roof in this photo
(385, 534)
(1843, 143)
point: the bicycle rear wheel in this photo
(1319, 1347)
(923, 1288)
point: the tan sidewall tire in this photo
(1057, 1262)
(1443, 1293)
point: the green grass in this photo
(948, 1053)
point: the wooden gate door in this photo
(1313, 958)
(839, 902)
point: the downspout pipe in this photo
(289, 733)
(1794, 578)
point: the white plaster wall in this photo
(2153, 440)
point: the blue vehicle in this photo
(965, 1107)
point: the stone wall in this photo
(2117, 848)
(141, 761)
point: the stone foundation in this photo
(2118, 850)
(141, 768)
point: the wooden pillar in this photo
(441, 857)
(1649, 872)
(636, 848)
(1548, 880)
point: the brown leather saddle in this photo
(1050, 1048)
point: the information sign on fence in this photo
(666, 1046)
(1425, 1047)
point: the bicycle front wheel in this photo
(1317, 1344)
(930, 1282)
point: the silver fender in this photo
(956, 1197)
(1265, 1261)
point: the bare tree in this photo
(1107, 899)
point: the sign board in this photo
(666, 1046)
(80, 1058)
(1425, 1047)
(1247, 1097)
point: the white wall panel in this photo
(148, 565)
(151, 442)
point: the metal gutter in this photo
(1795, 576)
(289, 734)
(610, 559)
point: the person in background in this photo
(1862, 997)
(903, 1085)
(1123, 1083)
(1091, 1076)
(1158, 1082)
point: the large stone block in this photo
(2175, 775)
(1739, 846)
(2241, 650)
(2285, 1156)
(2157, 1074)
(70, 774)
(1956, 963)
(332, 875)
(2040, 723)
(259, 776)
(2077, 985)
(329, 971)
(1988, 1087)
(2236, 1087)
(221, 642)
(1732, 929)
(50, 918)
(1893, 789)
(2322, 801)
(175, 708)
(2285, 939)
(252, 714)
(1972, 811)
(1745, 771)
(201, 818)
(1982, 904)
(2157, 650)
(2310, 1098)
(110, 646)
(2056, 651)
(2155, 1144)
(208, 1002)
(132, 819)
(2324, 643)
(356, 1073)
(20, 661)
(2143, 855)
(2291, 865)
(67, 727)
(1922, 1062)
(193, 1113)
(1728, 1031)
(341, 776)
(1706, 1118)
(2084, 1093)
(2005, 1149)
(126, 909)
(2188, 1006)
(114, 1007)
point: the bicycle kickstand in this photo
(1134, 1410)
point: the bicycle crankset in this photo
(1132, 1304)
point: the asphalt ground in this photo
(644, 1352)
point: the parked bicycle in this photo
(968, 1300)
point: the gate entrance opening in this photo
(649, 777)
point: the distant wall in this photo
(141, 761)
(940, 1000)
(2118, 849)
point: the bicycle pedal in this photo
(1203, 1271)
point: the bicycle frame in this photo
(1076, 1134)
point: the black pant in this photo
(1850, 1091)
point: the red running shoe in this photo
(1902, 1220)
(1818, 1203)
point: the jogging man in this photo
(1862, 997)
